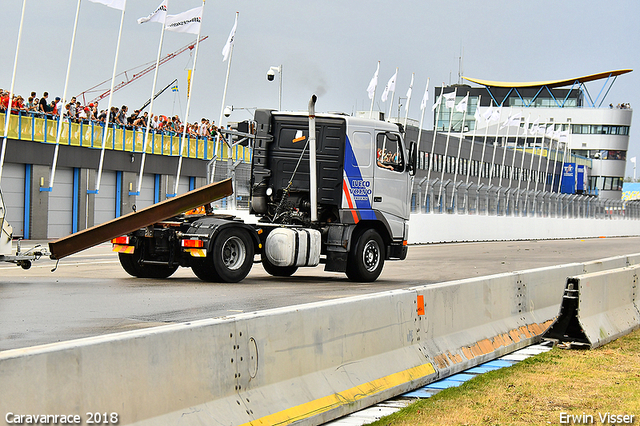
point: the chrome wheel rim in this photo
(233, 253)
(371, 256)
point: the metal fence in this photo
(459, 198)
(86, 133)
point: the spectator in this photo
(43, 106)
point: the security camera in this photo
(271, 75)
(227, 111)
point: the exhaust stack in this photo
(313, 176)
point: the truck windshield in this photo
(389, 152)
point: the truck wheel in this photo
(277, 271)
(131, 265)
(366, 258)
(230, 259)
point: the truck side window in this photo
(389, 152)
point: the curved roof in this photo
(550, 84)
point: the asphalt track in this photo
(90, 294)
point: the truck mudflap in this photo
(136, 220)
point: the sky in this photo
(330, 48)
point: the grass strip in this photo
(544, 389)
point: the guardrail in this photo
(36, 128)
(471, 199)
(305, 364)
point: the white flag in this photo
(373, 83)
(390, 87)
(436, 103)
(488, 113)
(406, 108)
(115, 4)
(513, 120)
(534, 127)
(563, 135)
(549, 130)
(495, 116)
(462, 105)
(450, 99)
(633, 160)
(476, 115)
(157, 15)
(425, 97)
(227, 47)
(185, 22)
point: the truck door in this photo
(391, 181)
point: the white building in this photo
(595, 133)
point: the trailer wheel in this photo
(130, 263)
(277, 271)
(366, 258)
(230, 259)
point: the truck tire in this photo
(230, 259)
(130, 263)
(366, 258)
(277, 271)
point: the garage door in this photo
(147, 191)
(61, 205)
(13, 191)
(105, 207)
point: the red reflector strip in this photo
(120, 240)
(192, 243)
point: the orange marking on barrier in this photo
(467, 353)
(514, 336)
(485, 346)
(456, 358)
(420, 304)
(475, 350)
(535, 328)
(524, 330)
(441, 361)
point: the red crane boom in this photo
(136, 76)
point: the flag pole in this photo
(7, 116)
(226, 81)
(473, 139)
(457, 163)
(524, 150)
(153, 91)
(493, 159)
(106, 124)
(513, 159)
(232, 198)
(504, 152)
(406, 115)
(531, 163)
(422, 116)
(186, 114)
(373, 97)
(446, 148)
(484, 144)
(64, 101)
(435, 131)
(555, 158)
(393, 94)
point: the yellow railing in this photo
(89, 135)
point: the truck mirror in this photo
(413, 158)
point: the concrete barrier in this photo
(471, 321)
(598, 307)
(436, 228)
(305, 364)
